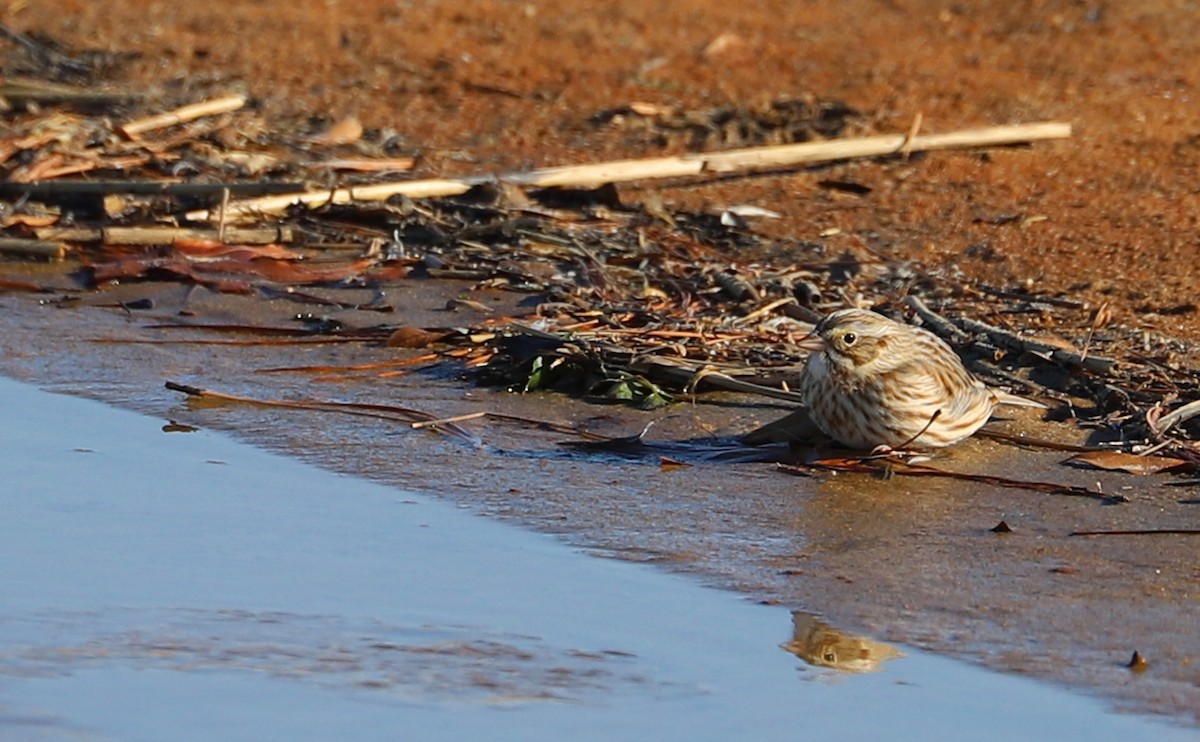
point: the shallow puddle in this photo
(184, 586)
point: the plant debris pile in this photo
(780, 121)
(630, 302)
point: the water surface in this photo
(180, 585)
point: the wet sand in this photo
(911, 561)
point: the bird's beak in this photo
(812, 342)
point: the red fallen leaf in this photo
(284, 272)
(20, 285)
(177, 266)
(667, 463)
(391, 271)
(1127, 462)
(211, 249)
(136, 266)
(415, 337)
(201, 271)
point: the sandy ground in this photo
(1107, 216)
(1110, 215)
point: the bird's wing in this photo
(952, 389)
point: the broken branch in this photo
(1012, 341)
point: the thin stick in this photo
(900, 467)
(937, 324)
(619, 171)
(445, 420)
(907, 148)
(59, 189)
(366, 164)
(547, 425)
(764, 310)
(182, 115)
(385, 412)
(1142, 532)
(26, 89)
(1171, 419)
(1009, 340)
(233, 343)
(356, 367)
(165, 235)
(718, 380)
(221, 223)
(46, 249)
(1027, 442)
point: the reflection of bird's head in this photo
(818, 643)
(854, 338)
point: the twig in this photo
(366, 164)
(1036, 299)
(718, 380)
(1142, 532)
(182, 115)
(619, 171)
(1006, 339)
(59, 189)
(46, 249)
(1025, 441)
(166, 235)
(377, 365)
(907, 148)
(547, 425)
(1058, 489)
(233, 343)
(39, 91)
(904, 468)
(1173, 418)
(45, 54)
(763, 310)
(385, 412)
(938, 324)
(221, 223)
(443, 421)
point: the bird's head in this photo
(852, 339)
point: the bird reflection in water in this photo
(820, 644)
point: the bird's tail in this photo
(1015, 401)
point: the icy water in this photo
(164, 584)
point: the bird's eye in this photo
(849, 338)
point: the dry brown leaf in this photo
(1127, 462)
(30, 220)
(415, 337)
(347, 131)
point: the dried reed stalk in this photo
(617, 171)
(165, 235)
(182, 115)
(45, 249)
